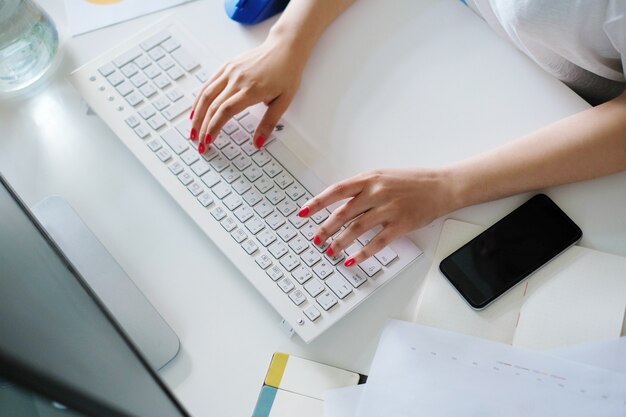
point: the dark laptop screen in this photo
(56, 339)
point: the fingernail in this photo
(201, 147)
(304, 211)
(317, 240)
(207, 138)
(349, 262)
(330, 251)
(259, 141)
(193, 134)
(191, 115)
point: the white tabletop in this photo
(420, 83)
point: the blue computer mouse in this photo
(250, 12)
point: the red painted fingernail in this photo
(191, 115)
(259, 141)
(207, 138)
(349, 262)
(304, 211)
(330, 251)
(201, 147)
(193, 134)
(317, 240)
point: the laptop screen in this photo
(56, 339)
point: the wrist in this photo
(459, 191)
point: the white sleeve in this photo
(615, 29)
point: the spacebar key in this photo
(175, 141)
(176, 109)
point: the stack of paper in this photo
(423, 371)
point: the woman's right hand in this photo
(269, 73)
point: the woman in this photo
(581, 42)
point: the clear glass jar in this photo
(28, 44)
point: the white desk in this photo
(427, 77)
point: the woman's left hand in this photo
(398, 200)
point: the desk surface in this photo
(429, 78)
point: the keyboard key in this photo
(205, 199)
(230, 174)
(174, 94)
(231, 151)
(278, 249)
(177, 109)
(274, 220)
(124, 88)
(312, 313)
(298, 221)
(176, 168)
(309, 230)
(286, 285)
(274, 272)
(156, 122)
(261, 158)
(323, 269)
(185, 177)
(302, 274)
(147, 112)
(161, 103)
(220, 163)
(165, 63)
(154, 145)
(336, 258)
(283, 180)
(242, 162)
(327, 300)
(295, 191)
(275, 196)
(151, 71)
(239, 235)
(221, 140)
(200, 167)
(210, 154)
(132, 121)
(241, 185)
(184, 59)
(263, 261)
(174, 140)
(249, 246)
(134, 99)
(243, 213)
(266, 237)
(138, 80)
(170, 45)
(320, 216)
(221, 190)
(370, 266)
(129, 70)
(339, 286)
(252, 197)
(297, 297)
(355, 277)
(115, 78)
(106, 70)
(290, 262)
(218, 213)
(264, 208)
(239, 137)
(310, 257)
(164, 155)
(264, 184)
(228, 224)
(298, 245)
(183, 127)
(287, 232)
(232, 202)
(249, 122)
(161, 81)
(230, 127)
(241, 115)
(253, 173)
(272, 168)
(314, 287)
(249, 148)
(154, 40)
(203, 75)
(386, 256)
(353, 248)
(157, 53)
(211, 178)
(286, 207)
(148, 90)
(255, 225)
(142, 61)
(127, 57)
(195, 189)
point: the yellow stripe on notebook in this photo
(277, 369)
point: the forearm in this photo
(303, 22)
(586, 145)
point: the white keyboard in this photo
(244, 199)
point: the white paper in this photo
(609, 355)
(423, 371)
(342, 402)
(87, 15)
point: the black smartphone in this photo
(513, 248)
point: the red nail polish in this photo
(191, 115)
(349, 262)
(259, 141)
(317, 240)
(207, 138)
(193, 134)
(330, 251)
(304, 211)
(201, 147)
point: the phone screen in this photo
(510, 250)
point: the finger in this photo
(375, 245)
(341, 216)
(205, 99)
(337, 192)
(226, 93)
(272, 115)
(367, 221)
(230, 107)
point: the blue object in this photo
(250, 12)
(265, 401)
